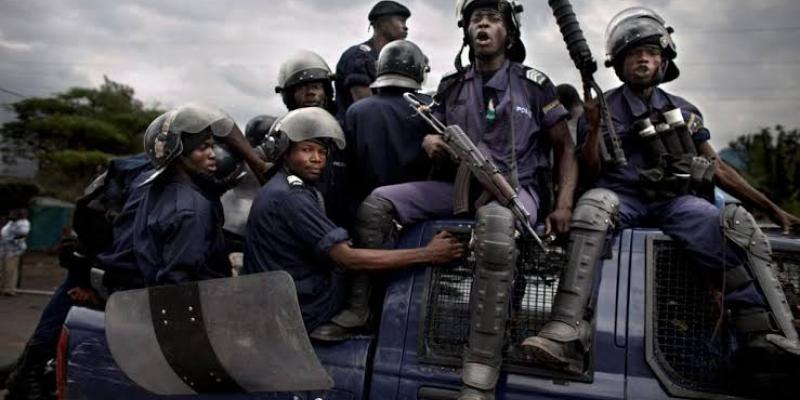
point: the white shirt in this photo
(12, 237)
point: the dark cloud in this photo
(739, 58)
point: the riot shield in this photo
(242, 334)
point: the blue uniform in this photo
(45, 336)
(356, 67)
(627, 108)
(514, 101)
(288, 230)
(690, 220)
(175, 235)
(384, 144)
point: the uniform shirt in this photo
(287, 230)
(12, 237)
(532, 107)
(334, 184)
(356, 67)
(627, 108)
(384, 144)
(171, 232)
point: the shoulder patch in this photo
(695, 123)
(365, 48)
(446, 83)
(294, 181)
(536, 76)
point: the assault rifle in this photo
(483, 169)
(582, 57)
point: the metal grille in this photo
(445, 324)
(686, 315)
(787, 267)
(691, 345)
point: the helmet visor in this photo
(197, 117)
(632, 25)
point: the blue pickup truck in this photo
(656, 332)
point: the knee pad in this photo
(495, 261)
(597, 210)
(374, 225)
(740, 227)
(495, 248)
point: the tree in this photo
(74, 133)
(772, 164)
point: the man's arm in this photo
(567, 167)
(441, 249)
(730, 181)
(241, 146)
(590, 150)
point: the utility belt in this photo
(673, 168)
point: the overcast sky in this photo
(739, 58)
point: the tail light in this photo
(61, 364)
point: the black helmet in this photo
(637, 26)
(509, 9)
(304, 66)
(385, 8)
(401, 64)
(230, 168)
(299, 125)
(257, 129)
(177, 130)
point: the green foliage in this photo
(772, 164)
(75, 132)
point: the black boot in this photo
(28, 381)
(566, 338)
(353, 320)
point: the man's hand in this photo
(785, 220)
(81, 295)
(435, 147)
(558, 222)
(590, 109)
(443, 248)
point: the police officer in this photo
(356, 68)
(165, 233)
(384, 147)
(305, 80)
(170, 230)
(648, 190)
(384, 139)
(288, 229)
(512, 114)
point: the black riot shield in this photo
(242, 334)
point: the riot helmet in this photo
(515, 49)
(401, 63)
(638, 26)
(309, 123)
(303, 67)
(257, 129)
(180, 130)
